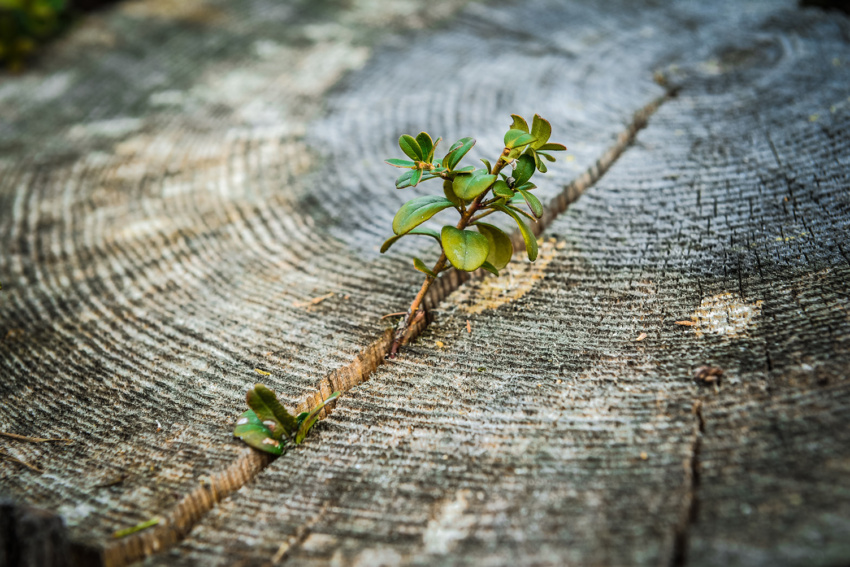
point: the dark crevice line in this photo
(681, 537)
(192, 507)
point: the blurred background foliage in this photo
(26, 24)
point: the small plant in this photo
(267, 426)
(474, 194)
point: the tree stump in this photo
(191, 200)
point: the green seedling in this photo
(267, 426)
(473, 193)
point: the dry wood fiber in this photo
(550, 435)
(363, 365)
(157, 250)
(154, 263)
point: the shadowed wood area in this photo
(205, 199)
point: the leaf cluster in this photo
(474, 193)
(267, 426)
(26, 23)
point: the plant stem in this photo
(465, 219)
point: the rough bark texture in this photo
(163, 239)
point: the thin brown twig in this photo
(34, 439)
(9, 457)
(388, 315)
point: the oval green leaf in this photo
(519, 123)
(410, 147)
(527, 235)
(541, 130)
(501, 189)
(309, 420)
(450, 194)
(426, 145)
(517, 138)
(457, 151)
(524, 169)
(251, 430)
(553, 147)
(420, 265)
(400, 163)
(404, 179)
(468, 187)
(490, 268)
(501, 248)
(418, 210)
(273, 415)
(533, 203)
(465, 249)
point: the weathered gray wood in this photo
(152, 265)
(158, 248)
(567, 427)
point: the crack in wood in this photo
(203, 499)
(681, 536)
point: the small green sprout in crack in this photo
(137, 528)
(267, 426)
(474, 193)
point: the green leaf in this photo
(541, 130)
(401, 163)
(450, 194)
(465, 249)
(524, 169)
(546, 156)
(533, 203)
(307, 422)
(529, 216)
(421, 231)
(416, 177)
(490, 268)
(430, 155)
(418, 210)
(501, 248)
(467, 187)
(273, 415)
(425, 144)
(466, 169)
(251, 430)
(404, 179)
(527, 235)
(553, 147)
(420, 265)
(541, 167)
(517, 139)
(487, 164)
(457, 151)
(519, 123)
(411, 148)
(138, 527)
(501, 189)
(526, 187)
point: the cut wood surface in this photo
(169, 209)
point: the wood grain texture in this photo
(169, 221)
(157, 252)
(566, 428)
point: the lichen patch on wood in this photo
(725, 314)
